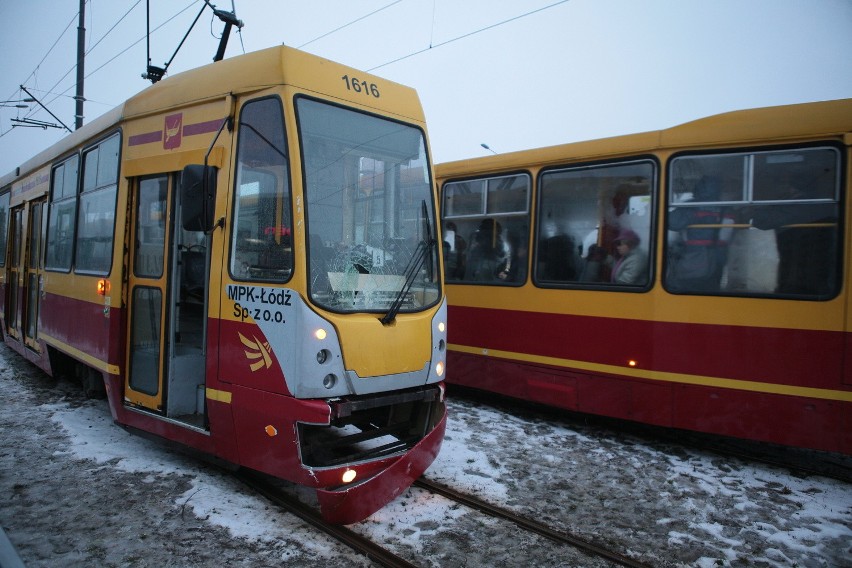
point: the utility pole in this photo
(81, 54)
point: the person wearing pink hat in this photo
(631, 265)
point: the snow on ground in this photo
(75, 489)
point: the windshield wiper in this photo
(422, 251)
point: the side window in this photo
(151, 217)
(96, 221)
(755, 224)
(595, 225)
(261, 247)
(4, 225)
(486, 225)
(63, 215)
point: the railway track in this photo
(384, 557)
(529, 525)
(365, 546)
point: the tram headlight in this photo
(349, 475)
(320, 334)
(439, 369)
(441, 327)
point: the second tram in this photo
(694, 278)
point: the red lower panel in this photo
(808, 358)
(790, 420)
(154, 424)
(85, 326)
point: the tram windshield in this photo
(370, 212)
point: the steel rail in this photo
(528, 524)
(370, 549)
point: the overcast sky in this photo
(513, 74)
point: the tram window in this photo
(97, 207)
(4, 225)
(151, 227)
(486, 230)
(594, 227)
(370, 211)
(63, 215)
(261, 247)
(760, 223)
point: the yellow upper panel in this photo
(253, 72)
(774, 124)
(273, 67)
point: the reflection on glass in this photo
(371, 219)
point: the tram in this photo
(694, 278)
(244, 258)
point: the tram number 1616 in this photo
(354, 84)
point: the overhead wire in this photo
(70, 23)
(117, 55)
(463, 36)
(88, 51)
(432, 45)
(52, 90)
(349, 24)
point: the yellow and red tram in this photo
(695, 278)
(244, 257)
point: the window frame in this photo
(748, 200)
(314, 248)
(85, 194)
(235, 205)
(64, 267)
(5, 202)
(653, 193)
(484, 214)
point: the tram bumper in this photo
(356, 502)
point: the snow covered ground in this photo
(77, 490)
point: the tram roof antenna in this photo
(230, 19)
(154, 73)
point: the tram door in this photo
(25, 272)
(14, 274)
(33, 269)
(167, 304)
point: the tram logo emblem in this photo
(172, 131)
(257, 351)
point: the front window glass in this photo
(486, 230)
(371, 219)
(261, 246)
(755, 223)
(594, 226)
